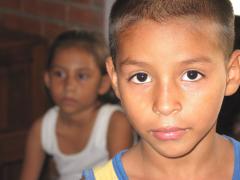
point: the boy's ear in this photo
(233, 73)
(113, 75)
(105, 85)
(46, 79)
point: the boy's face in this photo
(171, 79)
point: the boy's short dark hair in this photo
(126, 13)
(92, 42)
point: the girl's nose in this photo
(70, 83)
(166, 99)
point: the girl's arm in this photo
(120, 134)
(34, 154)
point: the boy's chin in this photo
(175, 154)
(175, 151)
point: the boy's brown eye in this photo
(192, 75)
(141, 77)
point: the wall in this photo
(21, 68)
(50, 17)
(108, 5)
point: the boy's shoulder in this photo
(105, 172)
(236, 147)
(113, 169)
(235, 143)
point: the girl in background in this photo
(81, 130)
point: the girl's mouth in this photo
(69, 101)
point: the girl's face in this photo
(171, 80)
(74, 80)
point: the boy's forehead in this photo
(193, 24)
(141, 34)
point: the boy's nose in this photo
(166, 99)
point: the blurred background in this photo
(26, 29)
(50, 17)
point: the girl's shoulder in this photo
(111, 111)
(50, 115)
(36, 127)
(48, 130)
(110, 108)
(35, 130)
(106, 114)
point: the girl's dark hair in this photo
(92, 42)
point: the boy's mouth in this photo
(169, 133)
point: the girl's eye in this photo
(140, 78)
(82, 76)
(192, 75)
(58, 74)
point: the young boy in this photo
(172, 64)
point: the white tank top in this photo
(95, 152)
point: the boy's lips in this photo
(169, 133)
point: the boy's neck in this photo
(203, 160)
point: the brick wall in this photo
(50, 17)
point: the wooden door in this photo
(22, 96)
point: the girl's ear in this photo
(233, 76)
(46, 79)
(113, 75)
(105, 85)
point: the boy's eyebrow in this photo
(198, 60)
(129, 61)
